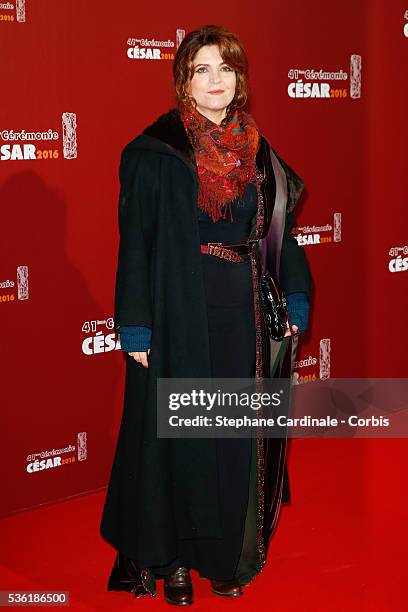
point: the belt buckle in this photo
(214, 247)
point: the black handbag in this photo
(275, 307)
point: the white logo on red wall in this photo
(141, 48)
(13, 12)
(17, 288)
(319, 234)
(316, 368)
(100, 338)
(399, 259)
(69, 141)
(20, 10)
(60, 457)
(329, 84)
(38, 145)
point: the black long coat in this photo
(151, 501)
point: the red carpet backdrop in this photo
(79, 81)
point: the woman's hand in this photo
(141, 357)
(289, 332)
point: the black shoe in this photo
(125, 576)
(178, 588)
(227, 588)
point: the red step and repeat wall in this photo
(80, 80)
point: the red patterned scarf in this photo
(225, 158)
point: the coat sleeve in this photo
(139, 174)
(294, 272)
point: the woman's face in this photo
(213, 83)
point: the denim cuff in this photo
(298, 309)
(135, 338)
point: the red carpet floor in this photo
(340, 546)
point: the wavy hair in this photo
(232, 53)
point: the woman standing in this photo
(186, 308)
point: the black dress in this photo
(231, 322)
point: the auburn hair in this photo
(232, 53)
